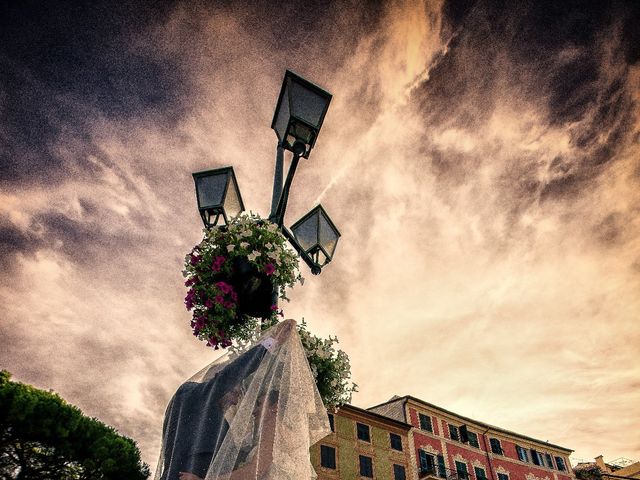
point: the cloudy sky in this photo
(481, 160)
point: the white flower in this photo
(230, 248)
(253, 255)
(244, 245)
(268, 245)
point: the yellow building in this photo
(363, 445)
(618, 470)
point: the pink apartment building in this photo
(448, 446)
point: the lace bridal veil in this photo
(253, 416)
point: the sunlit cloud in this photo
(484, 177)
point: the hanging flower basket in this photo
(234, 277)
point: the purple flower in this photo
(195, 259)
(201, 321)
(188, 300)
(234, 296)
(269, 269)
(208, 303)
(229, 304)
(219, 299)
(274, 308)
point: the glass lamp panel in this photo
(232, 202)
(302, 132)
(308, 104)
(282, 116)
(328, 236)
(210, 189)
(306, 231)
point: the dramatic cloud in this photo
(479, 158)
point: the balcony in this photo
(436, 473)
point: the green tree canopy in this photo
(43, 437)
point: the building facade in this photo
(364, 445)
(452, 447)
(619, 469)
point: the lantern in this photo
(299, 114)
(218, 195)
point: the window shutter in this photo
(464, 435)
(423, 459)
(473, 439)
(495, 445)
(549, 460)
(442, 471)
(461, 470)
(534, 457)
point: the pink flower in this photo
(216, 266)
(274, 308)
(228, 304)
(208, 303)
(234, 296)
(219, 299)
(269, 269)
(224, 287)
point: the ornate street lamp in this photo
(218, 195)
(299, 114)
(297, 120)
(317, 235)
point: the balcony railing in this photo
(434, 472)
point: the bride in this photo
(251, 417)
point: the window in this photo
(366, 467)
(549, 460)
(473, 439)
(453, 432)
(560, 464)
(331, 422)
(503, 476)
(536, 458)
(427, 462)
(425, 422)
(327, 456)
(461, 470)
(442, 470)
(495, 446)
(399, 472)
(396, 441)
(480, 473)
(363, 432)
(522, 454)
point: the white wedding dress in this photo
(250, 417)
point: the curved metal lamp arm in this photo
(278, 217)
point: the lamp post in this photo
(297, 120)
